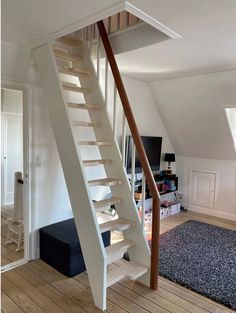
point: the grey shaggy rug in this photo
(201, 257)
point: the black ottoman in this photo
(60, 247)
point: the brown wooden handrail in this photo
(141, 153)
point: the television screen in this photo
(152, 146)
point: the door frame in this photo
(28, 202)
(4, 117)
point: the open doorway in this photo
(12, 156)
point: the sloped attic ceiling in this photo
(34, 20)
(192, 109)
(207, 45)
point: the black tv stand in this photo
(165, 184)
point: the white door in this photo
(202, 185)
(12, 153)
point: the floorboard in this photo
(37, 287)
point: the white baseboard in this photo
(12, 265)
(37, 255)
(227, 216)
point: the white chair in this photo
(15, 226)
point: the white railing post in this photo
(98, 58)
(143, 198)
(90, 38)
(133, 169)
(106, 81)
(114, 109)
(123, 138)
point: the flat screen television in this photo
(152, 146)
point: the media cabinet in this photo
(167, 186)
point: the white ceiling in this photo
(208, 29)
(37, 19)
(187, 106)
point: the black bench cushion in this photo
(60, 247)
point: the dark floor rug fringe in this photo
(201, 257)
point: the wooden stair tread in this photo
(74, 71)
(131, 270)
(119, 224)
(83, 106)
(96, 162)
(107, 202)
(116, 251)
(65, 56)
(73, 87)
(95, 143)
(86, 124)
(68, 40)
(105, 182)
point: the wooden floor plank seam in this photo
(37, 287)
(168, 300)
(33, 293)
(49, 290)
(158, 291)
(110, 296)
(66, 295)
(8, 304)
(72, 279)
(24, 302)
(153, 307)
(161, 302)
(212, 305)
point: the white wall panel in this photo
(202, 189)
(225, 191)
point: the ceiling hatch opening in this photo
(231, 116)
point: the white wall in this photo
(11, 101)
(231, 116)
(192, 109)
(15, 62)
(146, 113)
(144, 109)
(225, 200)
(50, 202)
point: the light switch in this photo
(38, 161)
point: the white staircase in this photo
(73, 60)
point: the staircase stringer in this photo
(78, 189)
(127, 209)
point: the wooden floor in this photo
(8, 252)
(36, 287)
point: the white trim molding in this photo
(88, 20)
(214, 213)
(12, 265)
(151, 21)
(100, 15)
(29, 235)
